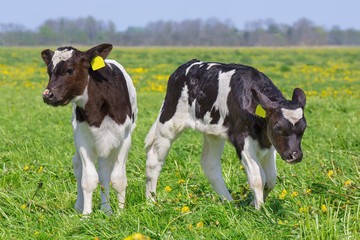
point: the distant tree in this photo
(193, 32)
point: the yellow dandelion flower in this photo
(138, 236)
(185, 209)
(181, 181)
(348, 182)
(40, 169)
(36, 233)
(280, 222)
(303, 209)
(200, 225)
(26, 167)
(330, 173)
(168, 188)
(323, 208)
(190, 227)
(241, 167)
(283, 194)
(23, 206)
(294, 194)
(308, 191)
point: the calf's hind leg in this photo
(158, 143)
(211, 164)
(118, 174)
(113, 168)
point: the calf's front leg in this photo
(268, 163)
(79, 205)
(85, 173)
(255, 174)
(89, 178)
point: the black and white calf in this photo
(104, 114)
(220, 101)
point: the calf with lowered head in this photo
(103, 118)
(221, 101)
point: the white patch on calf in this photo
(61, 56)
(181, 118)
(292, 116)
(195, 63)
(82, 99)
(224, 89)
(110, 135)
(211, 65)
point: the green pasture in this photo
(315, 199)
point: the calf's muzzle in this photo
(293, 157)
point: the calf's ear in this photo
(263, 100)
(47, 55)
(299, 97)
(102, 50)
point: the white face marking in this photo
(188, 69)
(292, 116)
(61, 56)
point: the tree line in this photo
(210, 32)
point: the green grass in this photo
(322, 194)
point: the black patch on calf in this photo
(203, 87)
(108, 95)
(174, 88)
(80, 114)
(215, 116)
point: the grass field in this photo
(315, 199)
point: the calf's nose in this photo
(294, 157)
(47, 95)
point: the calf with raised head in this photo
(104, 114)
(220, 101)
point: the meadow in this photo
(315, 199)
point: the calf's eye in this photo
(277, 128)
(70, 71)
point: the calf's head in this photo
(68, 70)
(285, 124)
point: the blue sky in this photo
(327, 13)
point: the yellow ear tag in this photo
(97, 63)
(260, 111)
